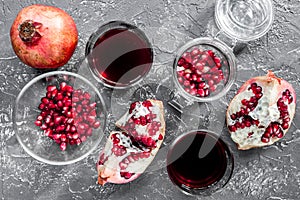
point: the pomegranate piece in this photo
(61, 119)
(200, 72)
(128, 153)
(261, 112)
(44, 36)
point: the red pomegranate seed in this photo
(247, 123)
(233, 116)
(78, 141)
(89, 132)
(258, 96)
(286, 119)
(187, 57)
(44, 127)
(126, 175)
(206, 92)
(51, 88)
(73, 129)
(41, 106)
(232, 128)
(160, 137)
(210, 53)
(257, 90)
(244, 102)
(63, 146)
(45, 100)
(54, 93)
(69, 88)
(38, 123)
(59, 96)
(198, 72)
(56, 136)
(201, 92)
(72, 142)
(280, 135)
(267, 135)
(253, 86)
(63, 138)
(96, 124)
(265, 140)
(285, 126)
(186, 83)
(290, 99)
(195, 52)
(256, 122)
(181, 61)
(193, 92)
(250, 134)
(211, 82)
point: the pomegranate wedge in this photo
(128, 153)
(261, 112)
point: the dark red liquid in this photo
(189, 166)
(121, 57)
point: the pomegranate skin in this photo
(261, 112)
(54, 42)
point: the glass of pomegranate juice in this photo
(119, 54)
(199, 162)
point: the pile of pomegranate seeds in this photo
(67, 116)
(199, 72)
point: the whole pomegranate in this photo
(261, 112)
(44, 36)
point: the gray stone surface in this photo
(267, 173)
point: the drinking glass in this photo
(119, 54)
(199, 162)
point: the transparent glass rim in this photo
(95, 36)
(248, 38)
(30, 83)
(223, 49)
(228, 172)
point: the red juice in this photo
(197, 160)
(121, 56)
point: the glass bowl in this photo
(212, 62)
(36, 142)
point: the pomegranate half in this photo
(44, 36)
(261, 112)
